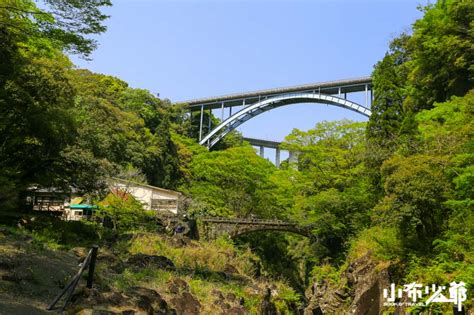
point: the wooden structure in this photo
(71, 206)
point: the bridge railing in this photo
(247, 221)
(89, 262)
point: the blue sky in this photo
(191, 49)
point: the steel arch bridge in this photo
(255, 103)
(251, 111)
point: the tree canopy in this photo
(399, 187)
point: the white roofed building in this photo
(153, 198)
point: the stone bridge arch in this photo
(214, 227)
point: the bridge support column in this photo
(222, 111)
(293, 157)
(209, 122)
(200, 123)
(366, 95)
(277, 157)
(262, 152)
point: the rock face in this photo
(186, 304)
(228, 304)
(183, 301)
(177, 285)
(362, 284)
(137, 300)
(149, 300)
(368, 284)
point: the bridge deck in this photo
(238, 99)
(247, 221)
(263, 142)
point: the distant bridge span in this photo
(257, 102)
(213, 227)
(253, 110)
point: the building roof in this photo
(145, 185)
(83, 206)
(56, 190)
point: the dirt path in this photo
(30, 275)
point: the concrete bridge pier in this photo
(277, 157)
(262, 144)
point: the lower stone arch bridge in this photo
(211, 228)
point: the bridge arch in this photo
(294, 230)
(213, 227)
(265, 105)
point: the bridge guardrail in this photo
(247, 221)
(89, 262)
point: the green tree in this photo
(415, 187)
(65, 24)
(125, 126)
(110, 136)
(389, 80)
(124, 212)
(442, 56)
(388, 112)
(447, 131)
(232, 182)
(332, 192)
(35, 124)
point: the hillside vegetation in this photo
(395, 193)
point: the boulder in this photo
(186, 304)
(137, 301)
(368, 287)
(180, 241)
(177, 285)
(360, 290)
(148, 300)
(143, 261)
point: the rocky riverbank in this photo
(140, 273)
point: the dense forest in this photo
(399, 187)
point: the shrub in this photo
(382, 242)
(124, 212)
